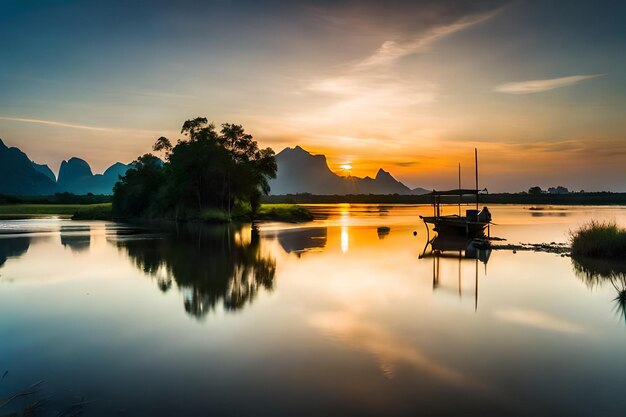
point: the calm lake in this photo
(332, 317)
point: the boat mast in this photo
(476, 165)
(460, 196)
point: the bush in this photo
(94, 212)
(283, 212)
(599, 240)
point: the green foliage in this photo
(94, 212)
(204, 175)
(134, 194)
(283, 212)
(599, 240)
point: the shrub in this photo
(599, 240)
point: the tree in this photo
(135, 192)
(535, 190)
(206, 169)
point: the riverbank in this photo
(291, 213)
(36, 211)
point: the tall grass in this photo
(599, 240)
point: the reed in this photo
(597, 239)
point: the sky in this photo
(539, 87)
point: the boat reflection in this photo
(209, 264)
(451, 248)
(597, 272)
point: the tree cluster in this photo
(208, 169)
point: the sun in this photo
(346, 167)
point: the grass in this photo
(101, 211)
(284, 212)
(212, 215)
(66, 211)
(596, 239)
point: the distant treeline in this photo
(59, 198)
(597, 198)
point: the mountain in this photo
(18, 175)
(21, 176)
(302, 172)
(75, 176)
(44, 169)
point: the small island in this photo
(208, 176)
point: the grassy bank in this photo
(599, 240)
(34, 211)
(284, 212)
(94, 212)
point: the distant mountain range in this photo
(302, 172)
(298, 172)
(19, 175)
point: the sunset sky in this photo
(410, 86)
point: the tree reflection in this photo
(300, 240)
(13, 247)
(209, 264)
(77, 238)
(596, 272)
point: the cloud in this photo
(537, 86)
(79, 126)
(373, 94)
(392, 50)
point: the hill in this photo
(19, 176)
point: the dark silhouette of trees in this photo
(134, 193)
(535, 190)
(207, 169)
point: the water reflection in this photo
(450, 249)
(12, 247)
(391, 351)
(596, 273)
(300, 240)
(209, 264)
(77, 238)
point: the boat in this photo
(471, 225)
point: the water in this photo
(332, 317)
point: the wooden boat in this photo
(472, 224)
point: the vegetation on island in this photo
(595, 239)
(210, 175)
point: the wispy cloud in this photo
(537, 86)
(79, 126)
(392, 50)
(373, 93)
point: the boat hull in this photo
(457, 226)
